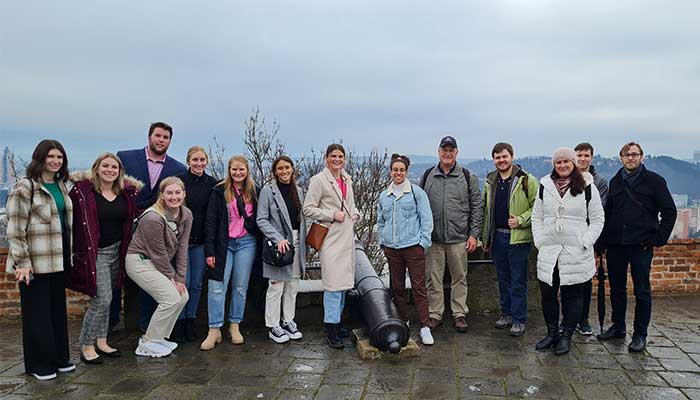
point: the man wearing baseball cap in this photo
(456, 202)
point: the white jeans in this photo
(283, 294)
(170, 302)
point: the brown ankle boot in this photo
(236, 337)
(213, 338)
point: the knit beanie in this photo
(565, 153)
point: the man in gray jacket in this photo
(456, 202)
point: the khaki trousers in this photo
(455, 254)
(170, 302)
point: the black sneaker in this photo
(290, 328)
(613, 333)
(584, 328)
(638, 344)
(278, 335)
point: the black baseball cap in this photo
(448, 141)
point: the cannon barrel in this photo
(385, 329)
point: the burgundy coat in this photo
(86, 235)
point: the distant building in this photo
(681, 228)
(681, 200)
(5, 166)
(694, 219)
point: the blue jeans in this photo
(196, 267)
(333, 303)
(511, 269)
(240, 256)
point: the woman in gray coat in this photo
(281, 220)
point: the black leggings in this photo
(571, 298)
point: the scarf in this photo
(631, 176)
(562, 184)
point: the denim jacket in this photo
(406, 220)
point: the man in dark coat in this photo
(632, 229)
(150, 165)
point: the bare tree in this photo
(261, 145)
(370, 176)
(217, 160)
(16, 165)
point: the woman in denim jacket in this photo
(405, 223)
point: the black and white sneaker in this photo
(278, 335)
(584, 328)
(67, 367)
(290, 328)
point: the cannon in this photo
(385, 329)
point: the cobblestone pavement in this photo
(483, 363)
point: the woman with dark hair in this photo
(404, 226)
(330, 202)
(198, 185)
(104, 209)
(40, 217)
(157, 262)
(230, 247)
(567, 218)
(280, 219)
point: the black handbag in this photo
(270, 253)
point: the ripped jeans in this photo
(240, 256)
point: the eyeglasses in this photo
(631, 155)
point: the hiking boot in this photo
(564, 345)
(461, 324)
(342, 331)
(504, 321)
(517, 329)
(434, 323)
(334, 340)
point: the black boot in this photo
(178, 333)
(564, 345)
(332, 335)
(342, 331)
(190, 333)
(550, 340)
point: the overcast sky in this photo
(386, 74)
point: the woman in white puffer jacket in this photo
(567, 218)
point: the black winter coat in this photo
(216, 232)
(634, 220)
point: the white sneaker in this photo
(425, 336)
(67, 368)
(167, 344)
(278, 335)
(151, 349)
(290, 328)
(45, 377)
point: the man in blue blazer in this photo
(149, 165)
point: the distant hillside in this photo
(682, 176)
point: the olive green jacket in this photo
(520, 205)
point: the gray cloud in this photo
(394, 74)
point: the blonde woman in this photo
(161, 235)
(198, 185)
(103, 213)
(230, 248)
(330, 201)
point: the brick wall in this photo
(675, 270)
(9, 294)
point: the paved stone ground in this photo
(484, 363)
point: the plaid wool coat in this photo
(34, 228)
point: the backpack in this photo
(587, 194)
(465, 171)
(135, 224)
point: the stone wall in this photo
(675, 270)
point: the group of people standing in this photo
(168, 227)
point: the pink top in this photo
(235, 223)
(155, 167)
(343, 187)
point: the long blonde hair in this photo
(118, 184)
(159, 205)
(248, 189)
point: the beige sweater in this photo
(160, 243)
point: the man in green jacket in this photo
(509, 195)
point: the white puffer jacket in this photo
(561, 234)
